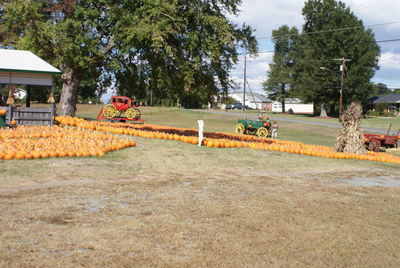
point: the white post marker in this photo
(201, 127)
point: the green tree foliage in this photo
(172, 48)
(381, 89)
(70, 34)
(280, 75)
(179, 50)
(319, 45)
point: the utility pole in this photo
(244, 82)
(342, 67)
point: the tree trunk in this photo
(69, 93)
(323, 111)
(283, 96)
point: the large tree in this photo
(175, 47)
(183, 50)
(73, 35)
(280, 75)
(316, 72)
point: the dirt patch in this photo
(382, 181)
(39, 186)
(256, 218)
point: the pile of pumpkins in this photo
(57, 141)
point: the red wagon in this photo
(119, 105)
(375, 142)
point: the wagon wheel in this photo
(137, 116)
(374, 146)
(109, 111)
(262, 132)
(117, 113)
(239, 128)
(130, 113)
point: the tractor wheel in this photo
(262, 132)
(239, 129)
(138, 114)
(109, 111)
(130, 113)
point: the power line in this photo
(390, 40)
(331, 30)
(273, 51)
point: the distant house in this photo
(295, 105)
(392, 101)
(253, 101)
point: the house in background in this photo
(253, 101)
(295, 105)
(392, 101)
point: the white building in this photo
(253, 101)
(295, 105)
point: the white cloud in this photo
(267, 15)
(256, 70)
(389, 60)
(372, 11)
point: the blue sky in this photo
(267, 15)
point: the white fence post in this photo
(201, 127)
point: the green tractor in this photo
(260, 127)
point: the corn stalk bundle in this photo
(351, 139)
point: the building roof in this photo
(292, 101)
(391, 98)
(257, 96)
(261, 98)
(25, 62)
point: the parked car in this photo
(246, 107)
(234, 106)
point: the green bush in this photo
(381, 109)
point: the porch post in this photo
(28, 96)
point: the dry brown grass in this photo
(169, 204)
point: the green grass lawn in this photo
(371, 122)
(221, 123)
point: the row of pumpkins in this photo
(222, 140)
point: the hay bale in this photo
(351, 139)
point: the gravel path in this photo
(298, 121)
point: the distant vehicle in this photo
(246, 107)
(234, 106)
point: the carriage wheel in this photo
(239, 129)
(262, 132)
(130, 113)
(118, 113)
(109, 111)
